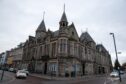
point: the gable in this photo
(72, 33)
(86, 37)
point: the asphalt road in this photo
(37, 80)
(28, 80)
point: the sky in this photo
(20, 18)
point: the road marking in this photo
(109, 80)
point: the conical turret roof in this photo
(41, 27)
(63, 18)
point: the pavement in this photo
(9, 78)
(95, 79)
(116, 80)
(66, 78)
(6, 78)
(80, 79)
(122, 82)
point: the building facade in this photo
(14, 57)
(3, 58)
(63, 53)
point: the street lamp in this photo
(116, 55)
(119, 52)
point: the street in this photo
(28, 80)
(37, 80)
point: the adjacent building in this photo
(3, 58)
(64, 53)
(14, 58)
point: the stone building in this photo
(64, 53)
(14, 58)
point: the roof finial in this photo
(43, 15)
(64, 8)
(86, 29)
(81, 31)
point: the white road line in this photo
(105, 82)
(109, 80)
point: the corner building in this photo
(63, 53)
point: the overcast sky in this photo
(20, 18)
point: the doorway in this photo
(83, 68)
(45, 68)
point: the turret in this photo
(41, 30)
(63, 22)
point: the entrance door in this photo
(99, 70)
(103, 70)
(83, 68)
(45, 68)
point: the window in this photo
(40, 51)
(53, 49)
(63, 45)
(75, 50)
(85, 50)
(43, 50)
(47, 49)
(53, 67)
(71, 48)
(63, 24)
(72, 33)
(89, 51)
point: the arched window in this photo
(63, 24)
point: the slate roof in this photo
(100, 46)
(72, 25)
(41, 27)
(31, 38)
(56, 33)
(63, 18)
(85, 36)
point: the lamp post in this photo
(116, 55)
(3, 67)
(2, 73)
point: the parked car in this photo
(26, 71)
(114, 74)
(4, 68)
(11, 69)
(21, 74)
